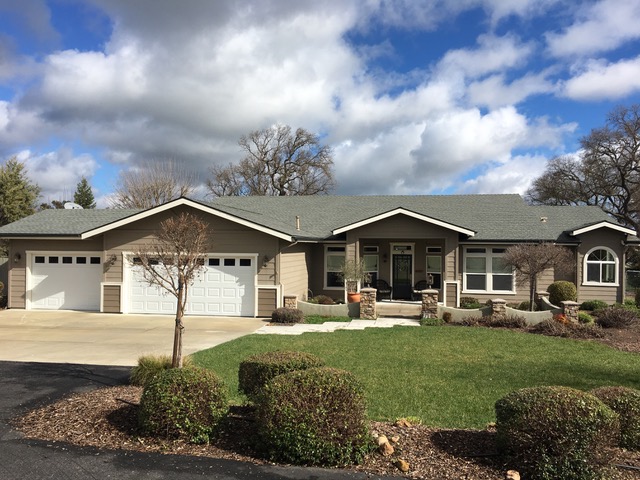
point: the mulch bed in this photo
(107, 418)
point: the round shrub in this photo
(314, 417)
(616, 317)
(556, 432)
(469, 303)
(626, 403)
(322, 300)
(287, 315)
(593, 305)
(257, 370)
(184, 403)
(585, 318)
(562, 291)
(151, 365)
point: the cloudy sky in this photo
(414, 96)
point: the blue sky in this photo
(415, 97)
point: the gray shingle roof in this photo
(492, 217)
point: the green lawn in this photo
(317, 319)
(448, 376)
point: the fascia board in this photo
(598, 225)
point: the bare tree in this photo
(173, 261)
(154, 184)
(606, 171)
(532, 259)
(278, 162)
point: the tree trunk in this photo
(533, 285)
(176, 361)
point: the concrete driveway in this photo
(108, 339)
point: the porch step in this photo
(399, 309)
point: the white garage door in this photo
(66, 281)
(225, 287)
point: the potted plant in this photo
(353, 273)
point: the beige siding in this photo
(452, 294)
(294, 270)
(18, 271)
(111, 299)
(267, 301)
(601, 238)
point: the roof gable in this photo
(599, 225)
(409, 213)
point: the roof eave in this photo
(604, 224)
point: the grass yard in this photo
(449, 377)
(318, 319)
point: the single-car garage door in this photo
(65, 281)
(226, 287)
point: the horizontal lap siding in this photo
(111, 299)
(267, 301)
(601, 238)
(294, 272)
(18, 271)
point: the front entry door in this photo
(402, 275)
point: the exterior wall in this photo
(601, 238)
(267, 301)
(17, 294)
(111, 295)
(294, 269)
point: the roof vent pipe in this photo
(298, 222)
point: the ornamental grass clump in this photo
(626, 403)
(314, 417)
(149, 366)
(556, 432)
(287, 315)
(183, 403)
(257, 370)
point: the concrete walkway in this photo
(301, 328)
(108, 339)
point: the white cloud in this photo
(602, 80)
(602, 26)
(495, 92)
(513, 176)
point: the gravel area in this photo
(106, 418)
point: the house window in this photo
(601, 266)
(485, 270)
(333, 262)
(434, 266)
(370, 263)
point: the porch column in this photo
(368, 304)
(498, 308)
(429, 303)
(570, 310)
(290, 301)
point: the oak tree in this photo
(277, 162)
(172, 261)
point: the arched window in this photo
(601, 266)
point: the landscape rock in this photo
(512, 475)
(382, 439)
(395, 439)
(386, 449)
(402, 422)
(402, 465)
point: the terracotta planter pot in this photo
(353, 297)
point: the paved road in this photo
(107, 339)
(24, 386)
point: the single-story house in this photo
(263, 248)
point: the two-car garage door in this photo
(226, 286)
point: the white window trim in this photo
(601, 284)
(487, 255)
(324, 268)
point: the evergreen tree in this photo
(18, 195)
(84, 195)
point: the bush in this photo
(322, 300)
(469, 303)
(615, 317)
(626, 403)
(149, 366)
(257, 370)
(287, 315)
(553, 328)
(561, 291)
(526, 306)
(593, 305)
(183, 403)
(314, 417)
(585, 318)
(432, 322)
(556, 432)
(508, 321)
(447, 317)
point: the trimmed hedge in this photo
(257, 370)
(287, 315)
(592, 305)
(314, 417)
(556, 432)
(183, 403)
(626, 403)
(561, 291)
